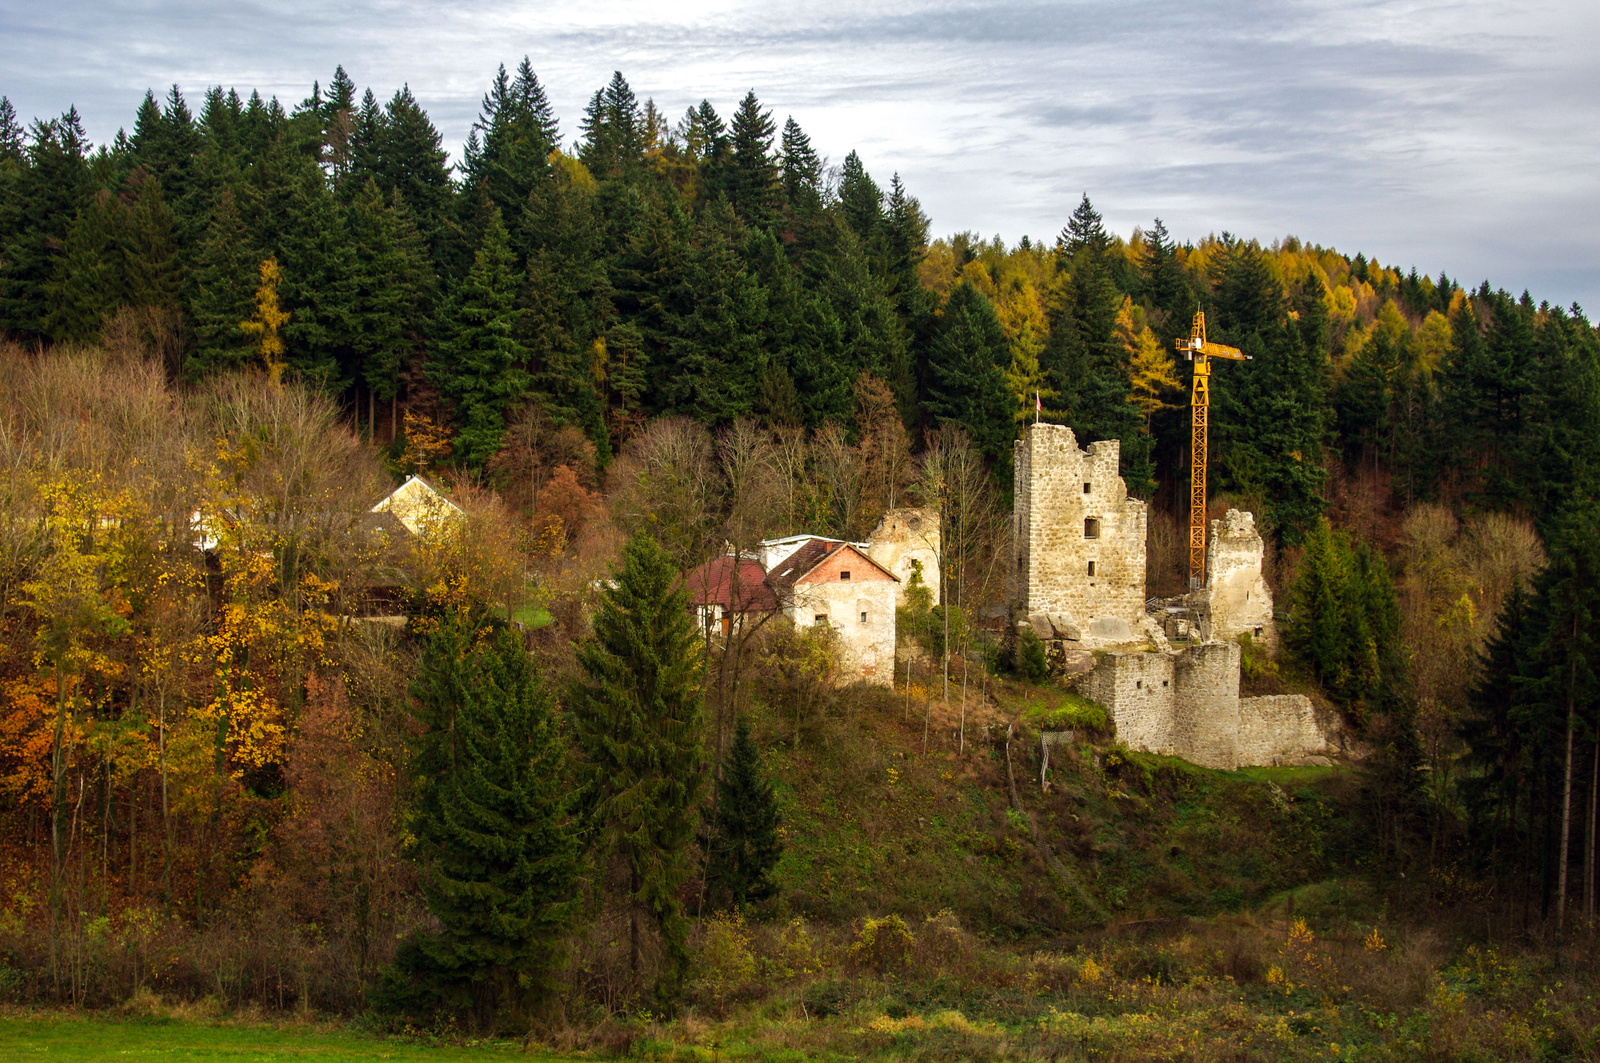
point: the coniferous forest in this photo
(259, 748)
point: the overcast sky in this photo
(1455, 136)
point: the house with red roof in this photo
(826, 582)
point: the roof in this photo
(416, 504)
(713, 584)
(806, 559)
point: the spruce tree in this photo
(744, 847)
(966, 367)
(479, 365)
(637, 720)
(222, 291)
(498, 852)
(753, 183)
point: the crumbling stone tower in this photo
(1078, 540)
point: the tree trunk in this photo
(1588, 849)
(1566, 823)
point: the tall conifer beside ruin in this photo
(500, 859)
(637, 718)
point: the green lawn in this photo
(70, 1040)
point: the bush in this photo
(1032, 664)
(883, 943)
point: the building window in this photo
(1086, 488)
(1258, 632)
(845, 574)
(1138, 684)
(1091, 568)
(820, 619)
(1163, 682)
(1091, 527)
(863, 618)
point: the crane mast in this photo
(1200, 352)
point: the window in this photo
(1091, 527)
(1138, 684)
(1091, 568)
(1086, 488)
(1019, 563)
(1163, 682)
(845, 574)
(863, 618)
(1258, 632)
(820, 619)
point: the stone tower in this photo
(1078, 540)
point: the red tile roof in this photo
(713, 584)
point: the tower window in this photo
(1091, 568)
(863, 618)
(821, 618)
(844, 574)
(1138, 684)
(1091, 527)
(1086, 488)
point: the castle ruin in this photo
(1078, 577)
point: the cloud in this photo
(1453, 136)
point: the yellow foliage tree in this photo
(1024, 377)
(266, 322)
(1152, 374)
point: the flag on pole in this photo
(1038, 408)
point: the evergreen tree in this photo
(411, 159)
(753, 184)
(86, 278)
(499, 856)
(479, 365)
(222, 291)
(744, 847)
(52, 188)
(860, 199)
(966, 373)
(517, 131)
(802, 172)
(637, 720)
(613, 131)
(393, 289)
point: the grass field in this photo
(72, 1039)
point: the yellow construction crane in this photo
(1198, 350)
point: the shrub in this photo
(882, 943)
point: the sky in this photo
(1462, 137)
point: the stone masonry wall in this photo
(1137, 691)
(1281, 729)
(1091, 573)
(1205, 721)
(1236, 595)
(904, 536)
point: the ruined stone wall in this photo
(1078, 539)
(904, 536)
(1187, 705)
(1205, 722)
(1137, 691)
(1236, 598)
(1282, 729)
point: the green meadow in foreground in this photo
(71, 1039)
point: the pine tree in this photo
(393, 286)
(613, 131)
(479, 365)
(637, 720)
(412, 159)
(744, 848)
(499, 854)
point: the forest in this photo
(258, 746)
